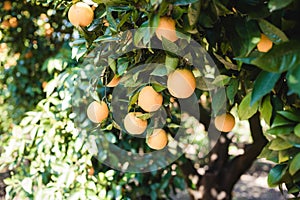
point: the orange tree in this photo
(212, 56)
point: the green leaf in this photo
(283, 156)
(264, 83)
(112, 22)
(139, 35)
(122, 65)
(133, 100)
(280, 130)
(221, 80)
(169, 46)
(292, 139)
(227, 64)
(218, 101)
(293, 80)
(269, 154)
(243, 34)
(281, 121)
(144, 116)
(159, 70)
(232, 89)
(266, 109)
(278, 4)
(276, 174)
(158, 87)
(274, 33)
(295, 164)
(194, 12)
(280, 58)
(179, 182)
(297, 130)
(245, 110)
(279, 144)
(205, 83)
(293, 116)
(171, 63)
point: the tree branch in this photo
(238, 165)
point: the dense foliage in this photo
(50, 72)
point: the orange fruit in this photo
(149, 100)
(80, 14)
(91, 171)
(114, 81)
(133, 124)
(28, 55)
(166, 28)
(181, 83)
(225, 122)
(97, 111)
(265, 44)
(105, 23)
(158, 139)
(5, 24)
(13, 22)
(7, 5)
(44, 84)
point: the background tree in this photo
(255, 45)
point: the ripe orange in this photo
(7, 5)
(133, 124)
(97, 111)
(166, 28)
(13, 22)
(105, 23)
(149, 100)
(80, 14)
(114, 81)
(265, 44)
(44, 84)
(158, 139)
(5, 24)
(225, 122)
(181, 83)
(91, 171)
(28, 55)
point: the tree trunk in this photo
(223, 172)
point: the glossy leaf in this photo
(276, 174)
(264, 83)
(295, 164)
(160, 70)
(232, 89)
(245, 110)
(244, 35)
(297, 130)
(293, 116)
(280, 58)
(266, 109)
(171, 63)
(219, 101)
(221, 80)
(281, 121)
(279, 144)
(280, 130)
(293, 79)
(194, 12)
(278, 4)
(274, 33)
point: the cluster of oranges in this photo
(11, 22)
(181, 83)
